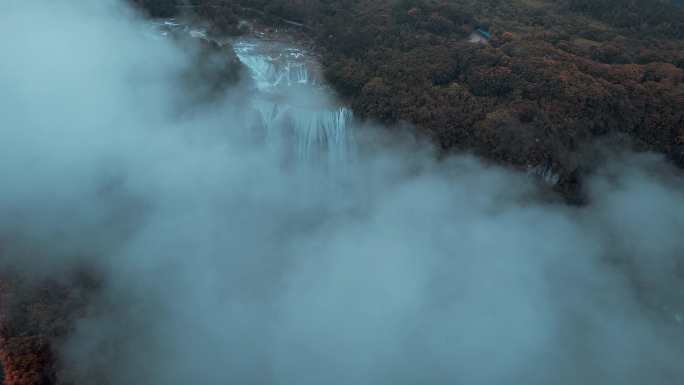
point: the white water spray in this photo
(315, 128)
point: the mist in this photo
(223, 262)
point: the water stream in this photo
(292, 105)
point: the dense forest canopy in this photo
(555, 76)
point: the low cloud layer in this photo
(220, 264)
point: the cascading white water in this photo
(545, 173)
(269, 72)
(291, 106)
(293, 109)
(313, 134)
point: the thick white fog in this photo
(224, 263)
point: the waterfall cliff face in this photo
(292, 107)
(312, 134)
(273, 65)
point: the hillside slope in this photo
(555, 77)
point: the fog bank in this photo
(224, 263)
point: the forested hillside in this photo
(556, 75)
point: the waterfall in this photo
(311, 134)
(292, 111)
(268, 75)
(545, 173)
(273, 65)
